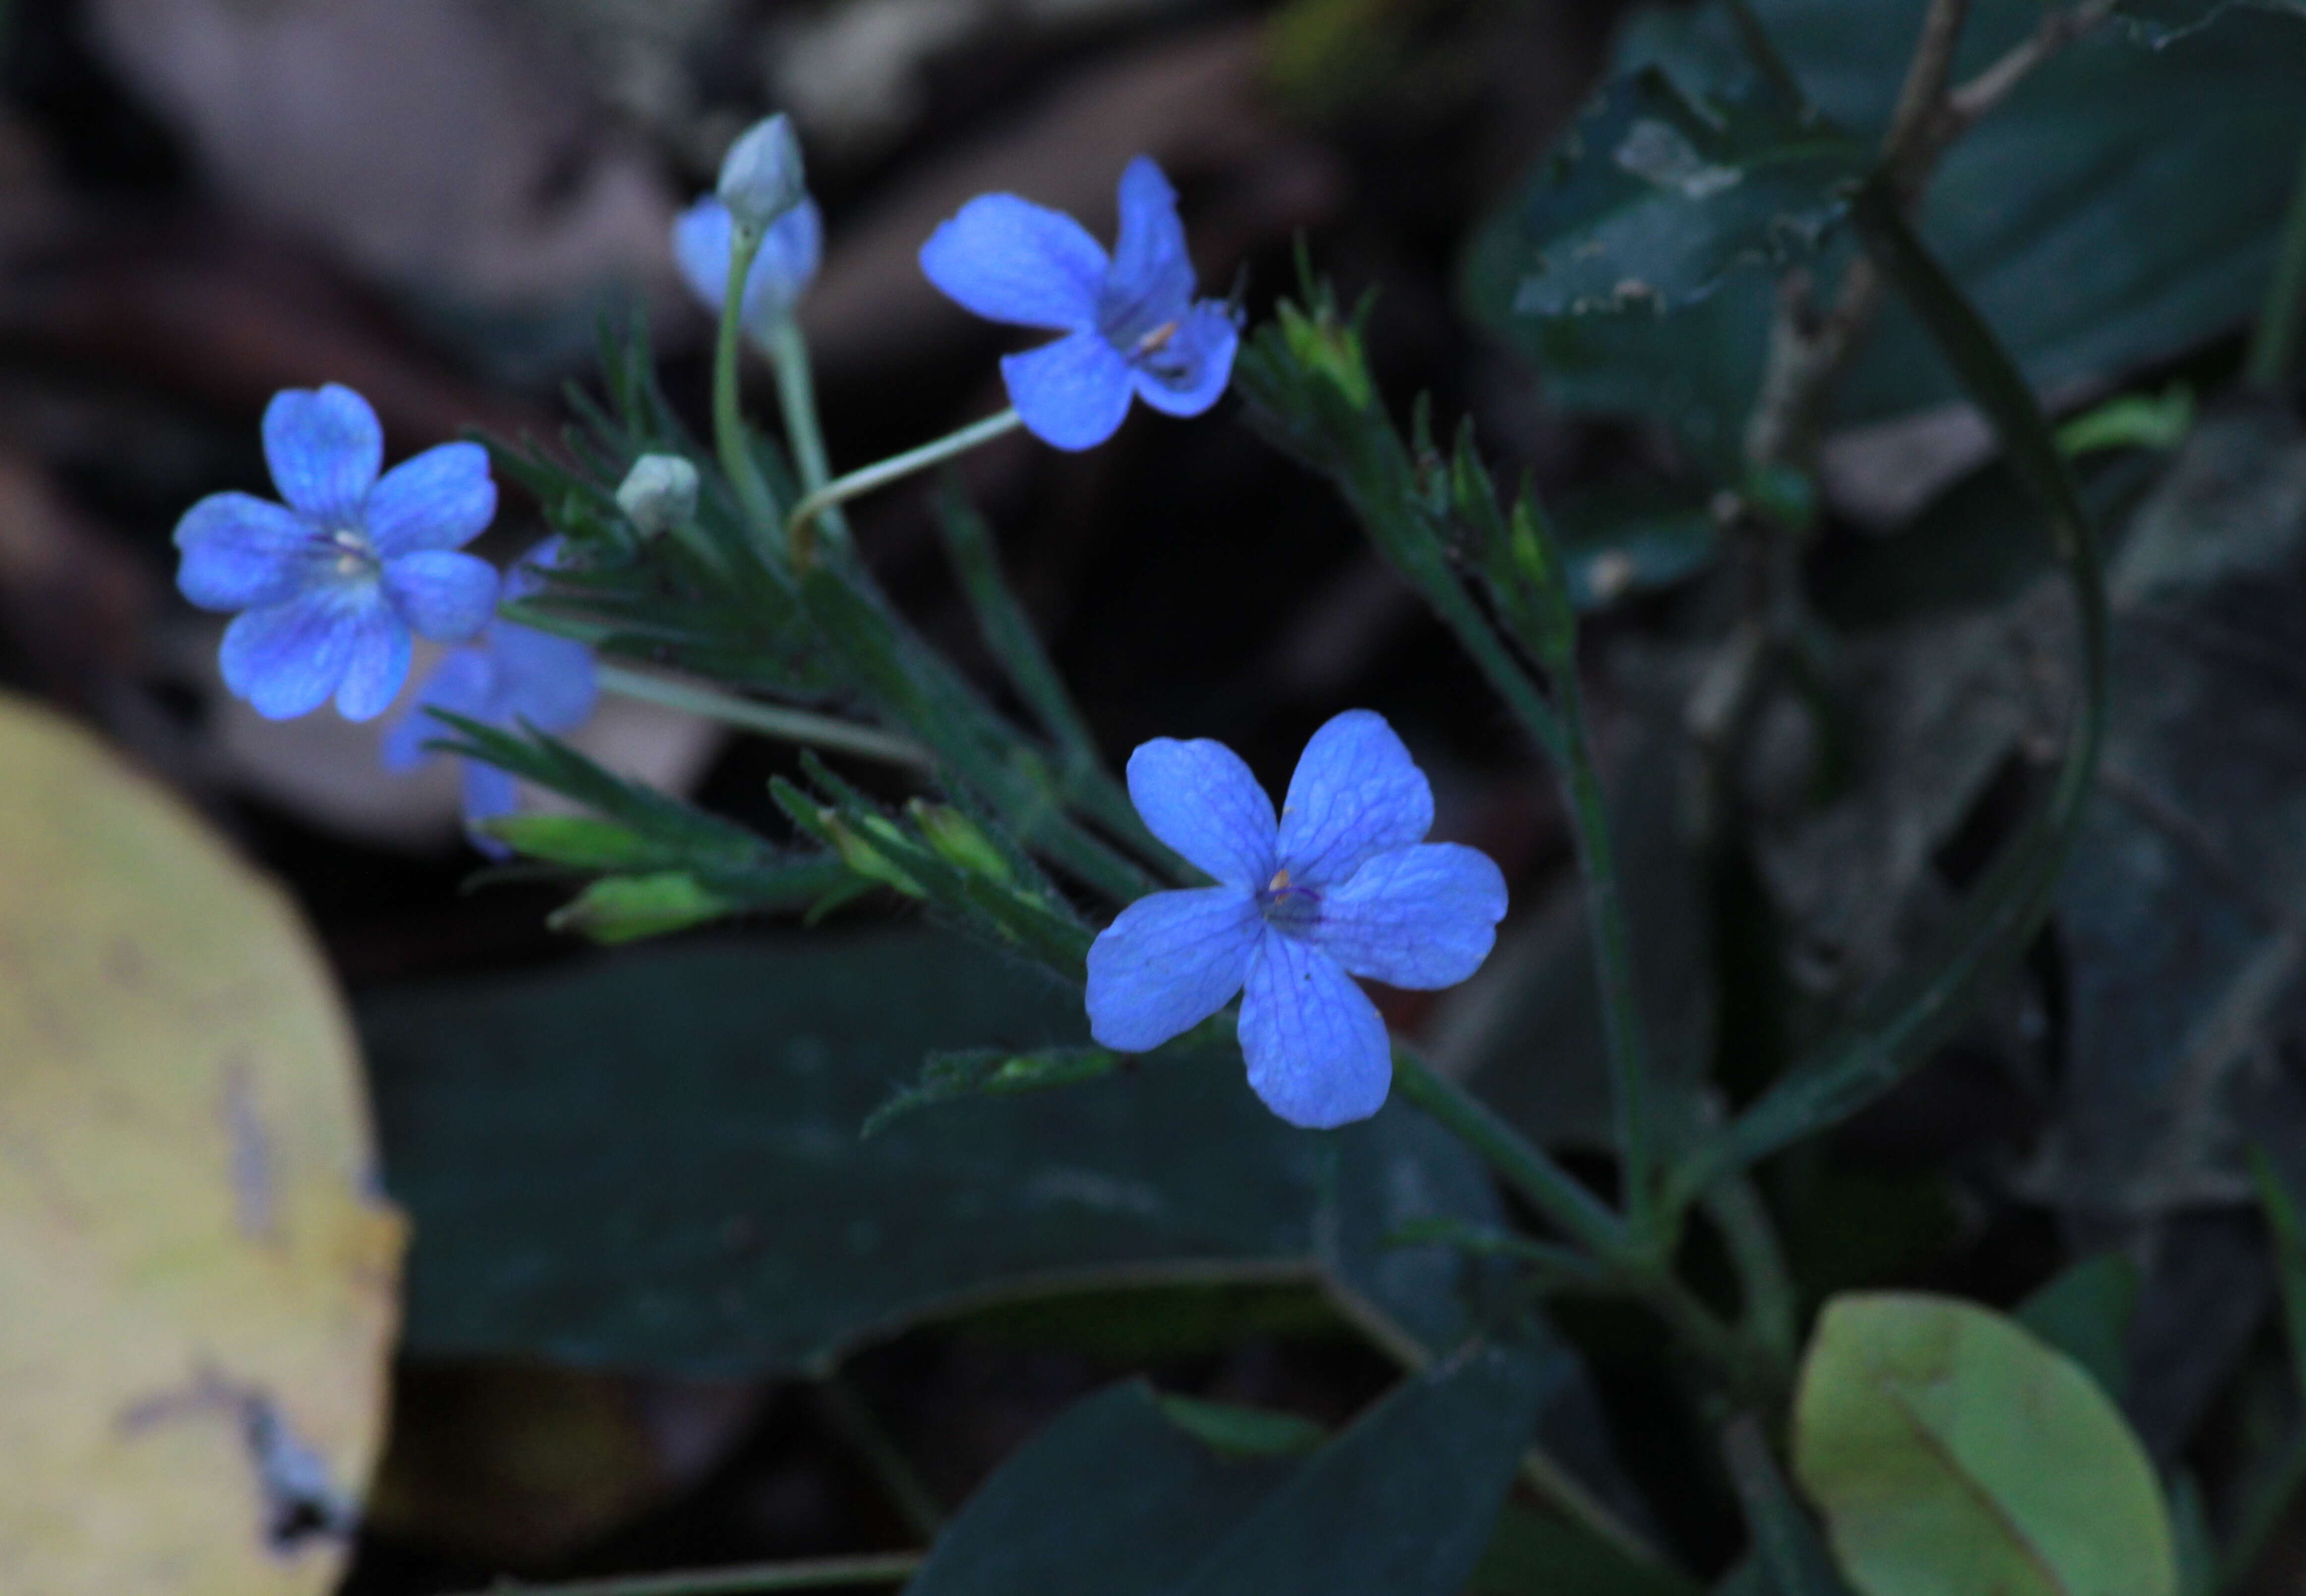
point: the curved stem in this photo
(813, 1574)
(728, 437)
(1613, 959)
(803, 727)
(797, 398)
(800, 525)
(1556, 1194)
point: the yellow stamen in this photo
(1279, 884)
(1159, 337)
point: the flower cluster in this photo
(1131, 321)
(331, 584)
(1342, 884)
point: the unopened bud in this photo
(761, 177)
(657, 494)
(956, 839)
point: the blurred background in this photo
(437, 202)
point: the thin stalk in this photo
(736, 460)
(1613, 959)
(797, 398)
(857, 1428)
(799, 525)
(1764, 1285)
(2273, 343)
(803, 727)
(812, 1574)
(1581, 1215)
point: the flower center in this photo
(1155, 339)
(1292, 911)
(354, 558)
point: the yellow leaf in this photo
(198, 1276)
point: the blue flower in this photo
(331, 584)
(1344, 886)
(1131, 324)
(782, 272)
(514, 675)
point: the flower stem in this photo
(736, 451)
(1613, 963)
(797, 398)
(2274, 344)
(812, 1574)
(1580, 1214)
(799, 525)
(809, 730)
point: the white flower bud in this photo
(658, 493)
(761, 177)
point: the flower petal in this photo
(442, 499)
(548, 681)
(1317, 1049)
(1070, 394)
(1199, 799)
(1422, 918)
(488, 791)
(379, 663)
(464, 683)
(1168, 962)
(1152, 277)
(1356, 793)
(286, 659)
(1188, 373)
(1009, 260)
(242, 552)
(325, 448)
(445, 595)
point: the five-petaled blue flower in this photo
(1131, 323)
(782, 272)
(512, 676)
(331, 584)
(1345, 885)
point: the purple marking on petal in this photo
(1423, 918)
(1168, 962)
(1356, 793)
(1072, 394)
(1009, 260)
(1151, 281)
(1317, 1049)
(1199, 799)
(442, 499)
(325, 448)
(378, 664)
(444, 595)
(286, 659)
(1188, 372)
(242, 552)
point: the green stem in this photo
(797, 398)
(799, 525)
(2273, 343)
(736, 451)
(1581, 1215)
(1765, 1285)
(1613, 963)
(809, 730)
(861, 1431)
(813, 1574)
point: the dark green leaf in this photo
(2202, 137)
(1617, 544)
(1536, 1554)
(1238, 1432)
(1654, 197)
(2084, 1313)
(1114, 1499)
(992, 1071)
(1789, 1558)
